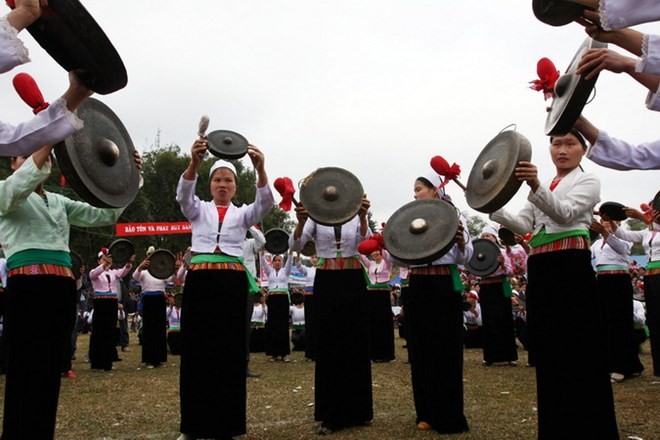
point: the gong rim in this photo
(571, 93)
(557, 12)
(614, 210)
(162, 264)
(332, 196)
(98, 161)
(277, 241)
(492, 182)
(69, 34)
(484, 257)
(121, 250)
(440, 221)
(227, 144)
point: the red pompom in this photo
(367, 247)
(441, 166)
(285, 187)
(29, 92)
(548, 76)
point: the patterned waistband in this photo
(105, 296)
(217, 266)
(340, 263)
(298, 326)
(377, 288)
(430, 270)
(655, 271)
(42, 269)
(578, 242)
(491, 280)
(255, 324)
(277, 292)
(613, 272)
(174, 329)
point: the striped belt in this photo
(298, 326)
(430, 270)
(340, 263)
(492, 280)
(174, 330)
(613, 272)
(42, 269)
(256, 324)
(578, 242)
(105, 296)
(278, 292)
(217, 266)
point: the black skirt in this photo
(154, 329)
(434, 322)
(310, 330)
(342, 389)
(277, 325)
(381, 325)
(572, 380)
(102, 351)
(39, 319)
(213, 357)
(652, 298)
(498, 334)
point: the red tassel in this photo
(11, 4)
(441, 166)
(29, 92)
(62, 181)
(548, 76)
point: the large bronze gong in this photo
(492, 182)
(75, 41)
(484, 258)
(556, 12)
(227, 144)
(277, 241)
(421, 231)
(98, 161)
(121, 251)
(614, 210)
(162, 264)
(309, 248)
(572, 92)
(332, 196)
(506, 236)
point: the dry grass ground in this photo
(132, 402)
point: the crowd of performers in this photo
(34, 233)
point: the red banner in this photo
(127, 229)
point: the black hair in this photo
(577, 134)
(426, 182)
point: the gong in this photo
(76, 264)
(507, 236)
(309, 248)
(492, 182)
(162, 264)
(557, 12)
(227, 144)
(98, 161)
(121, 251)
(484, 258)
(655, 204)
(277, 241)
(421, 231)
(614, 210)
(571, 93)
(332, 196)
(76, 42)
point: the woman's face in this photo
(489, 236)
(422, 191)
(566, 152)
(277, 262)
(376, 255)
(223, 186)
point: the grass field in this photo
(132, 402)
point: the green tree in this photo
(475, 224)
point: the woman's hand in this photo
(198, 152)
(527, 172)
(364, 207)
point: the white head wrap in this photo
(222, 164)
(489, 230)
(435, 180)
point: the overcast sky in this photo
(375, 87)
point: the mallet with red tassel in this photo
(441, 166)
(284, 186)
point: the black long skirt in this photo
(310, 327)
(174, 342)
(381, 325)
(434, 322)
(154, 329)
(498, 333)
(277, 325)
(616, 295)
(257, 340)
(572, 380)
(102, 351)
(652, 298)
(214, 351)
(342, 389)
(40, 315)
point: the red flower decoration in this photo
(548, 76)
(29, 92)
(285, 187)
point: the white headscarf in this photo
(222, 164)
